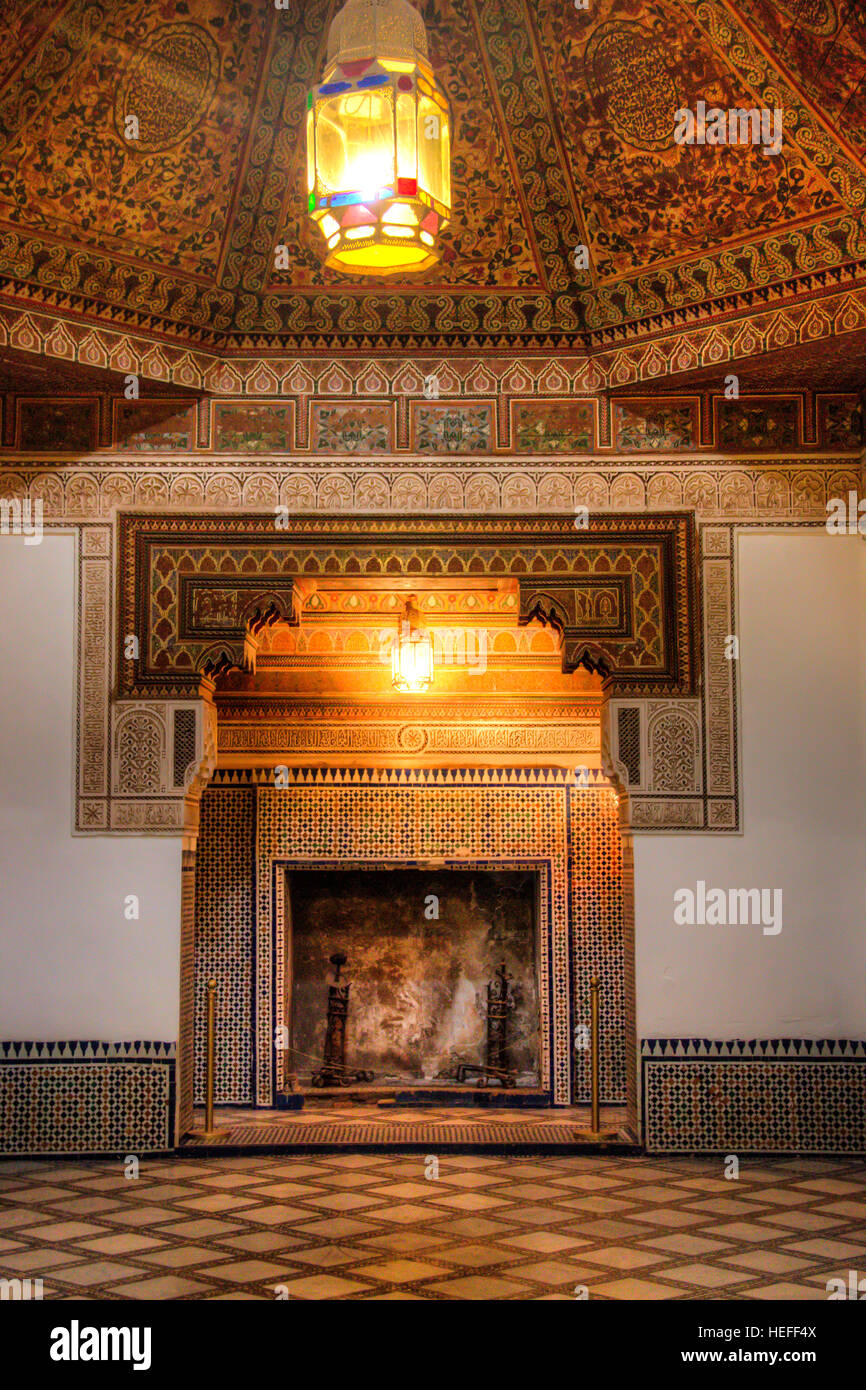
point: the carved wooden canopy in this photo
(196, 590)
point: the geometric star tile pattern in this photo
(372, 1226)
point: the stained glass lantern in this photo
(379, 143)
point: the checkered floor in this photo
(385, 1227)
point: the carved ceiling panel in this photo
(563, 136)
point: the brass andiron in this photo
(334, 1071)
(209, 1057)
(594, 1052)
(500, 1005)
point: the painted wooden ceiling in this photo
(564, 136)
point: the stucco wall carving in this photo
(87, 497)
(677, 735)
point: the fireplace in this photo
(422, 946)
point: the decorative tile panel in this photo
(458, 428)
(536, 819)
(224, 939)
(657, 425)
(254, 427)
(154, 425)
(552, 427)
(86, 1097)
(767, 1096)
(361, 427)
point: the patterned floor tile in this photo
(480, 1256)
(480, 1286)
(801, 1220)
(250, 1271)
(97, 1273)
(335, 1228)
(198, 1229)
(684, 1243)
(829, 1249)
(777, 1292)
(400, 1271)
(263, 1241)
(43, 1260)
(472, 1226)
(554, 1272)
(705, 1276)
(67, 1230)
(371, 1226)
(161, 1286)
(122, 1243)
(405, 1242)
(324, 1286)
(544, 1242)
(621, 1257)
(642, 1289)
(325, 1256)
(180, 1256)
(767, 1261)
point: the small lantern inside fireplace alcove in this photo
(411, 654)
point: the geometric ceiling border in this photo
(550, 367)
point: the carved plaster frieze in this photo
(770, 490)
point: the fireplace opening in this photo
(424, 954)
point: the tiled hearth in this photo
(446, 1128)
(372, 1226)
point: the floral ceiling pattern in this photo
(152, 160)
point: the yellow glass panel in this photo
(380, 258)
(355, 142)
(432, 136)
(407, 140)
(397, 231)
(311, 153)
(445, 154)
(394, 65)
(426, 238)
(329, 225)
(355, 233)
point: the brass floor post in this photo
(209, 1075)
(594, 1054)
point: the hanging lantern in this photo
(411, 654)
(379, 143)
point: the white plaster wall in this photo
(71, 966)
(802, 668)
